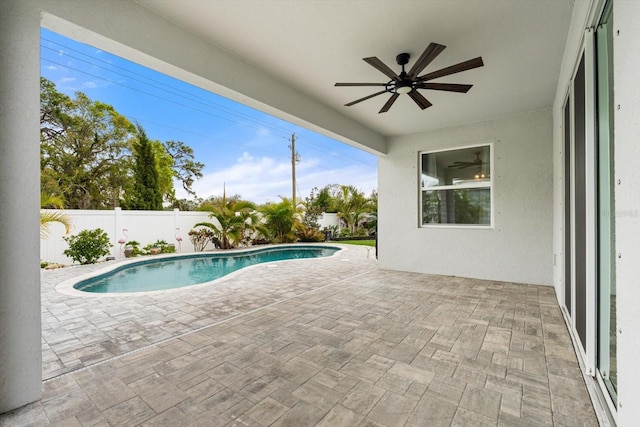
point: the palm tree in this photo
(48, 201)
(235, 218)
(281, 220)
(352, 205)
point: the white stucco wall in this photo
(328, 220)
(626, 15)
(518, 248)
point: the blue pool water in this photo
(177, 272)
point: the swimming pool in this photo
(180, 271)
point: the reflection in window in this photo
(456, 186)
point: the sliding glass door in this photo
(606, 362)
(589, 206)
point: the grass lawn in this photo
(358, 242)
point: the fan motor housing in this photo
(403, 58)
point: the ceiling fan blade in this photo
(380, 66)
(448, 87)
(429, 54)
(389, 103)
(462, 164)
(419, 99)
(457, 68)
(360, 84)
(365, 98)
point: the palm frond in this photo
(47, 217)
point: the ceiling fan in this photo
(410, 82)
(463, 165)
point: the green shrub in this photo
(88, 246)
(135, 245)
(305, 233)
(360, 232)
(165, 248)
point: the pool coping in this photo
(67, 287)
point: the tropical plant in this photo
(88, 246)
(135, 248)
(304, 233)
(371, 224)
(165, 248)
(313, 209)
(201, 238)
(352, 205)
(250, 226)
(280, 221)
(48, 201)
(235, 221)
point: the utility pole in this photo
(295, 158)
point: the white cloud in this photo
(89, 85)
(67, 79)
(246, 157)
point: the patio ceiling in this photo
(310, 45)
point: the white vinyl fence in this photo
(144, 227)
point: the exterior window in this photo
(455, 187)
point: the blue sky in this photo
(243, 148)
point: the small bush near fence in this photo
(88, 246)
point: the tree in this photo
(85, 149)
(312, 209)
(326, 197)
(164, 167)
(86, 153)
(146, 193)
(212, 202)
(235, 219)
(351, 206)
(186, 170)
(186, 205)
(281, 220)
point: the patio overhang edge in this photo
(131, 31)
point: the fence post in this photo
(117, 224)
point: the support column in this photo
(20, 331)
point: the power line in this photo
(175, 91)
(151, 94)
(311, 143)
(198, 110)
(165, 88)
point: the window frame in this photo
(468, 185)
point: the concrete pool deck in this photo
(330, 341)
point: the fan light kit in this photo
(409, 82)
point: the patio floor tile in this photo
(328, 342)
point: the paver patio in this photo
(330, 342)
